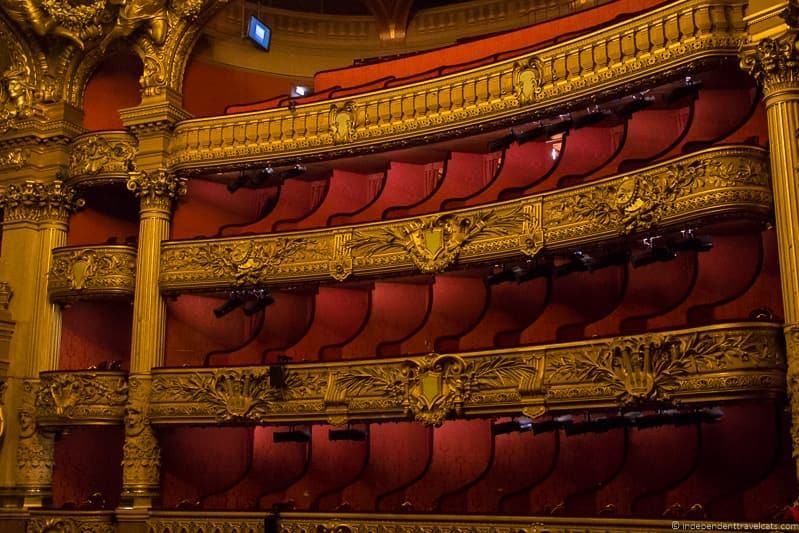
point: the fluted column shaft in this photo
(774, 63)
(35, 221)
(141, 461)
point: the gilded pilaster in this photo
(157, 190)
(774, 63)
(35, 221)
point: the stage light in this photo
(517, 425)
(300, 90)
(292, 435)
(259, 33)
(694, 243)
(262, 300)
(233, 302)
(293, 172)
(351, 434)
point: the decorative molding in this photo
(158, 189)
(35, 448)
(689, 189)
(92, 272)
(102, 157)
(73, 398)
(710, 364)
(662, 44)
(36, 201)
(141, 454)
(49, 521)
(14, 158)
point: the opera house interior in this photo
(399, 266)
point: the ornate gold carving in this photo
(556, 79)
(98, 155)
(528, 80)
(14, 159)
(35, 448)
(141, 454)
(96, 271)
(691, 188)
(6, 293)
(343, 122)
(36, 201)
(691, 366)
(434, 242)
(72, 523)
(435, 386)
(774, 63)
(157, 189)
(193, 524)
(792, 349)
(19, 95)
(81, 397)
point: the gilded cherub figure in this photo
(133, 14)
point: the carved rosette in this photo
(99, 158)
(35, 201)
(35, 447)
(157, 190)
(664, 197)
(141, 454)
(96, 271)
(711, 364)
(71, 398)
(774, 63)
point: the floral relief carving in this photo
(343, 122)
(435, 386)
(95, 270)
(73, 395)
(14, 159)
(141, 453)
(96, 154)
(434, 243)
(35, 447)
(68, 525)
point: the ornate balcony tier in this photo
(709, 364)
(79, 398)
(688, 190)
(621, 58)
(82, 272)
(49, 521)
(101, 157)
(294, 522)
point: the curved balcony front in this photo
(679, 193)
(622, 58)
(700, 365)
(85, 272)
(90, 397)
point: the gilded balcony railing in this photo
(620, 58)
(81, 397)
(81, 272)
(709, 364)
(730, 180)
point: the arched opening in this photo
(113, 86)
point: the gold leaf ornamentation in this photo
(528, 80)
(434, 242)
(96, 270)
(79, 395)
(435, 386)
(96, 154)
(343, 122)
(233, 395)
(36, 201)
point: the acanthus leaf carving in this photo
(72, 395)
(95, 154)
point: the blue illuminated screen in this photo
(260, 33)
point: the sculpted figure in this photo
(136, 13)
(57, 17)
(16, 94)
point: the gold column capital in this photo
(37, 201)
(156, 189)
(772, 56)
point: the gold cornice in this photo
(686, 190)
(84, 397)
(700, 365)
(102, 157)
(617, 59)
(83, 272)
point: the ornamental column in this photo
(156, 190)
(773, 61)
(35, 221)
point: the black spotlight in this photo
(262, 300)
(517, 425)
(292, 435)
(233, 302)
(689, 241)
(656, 251)
(293, 172)
(348, 433)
